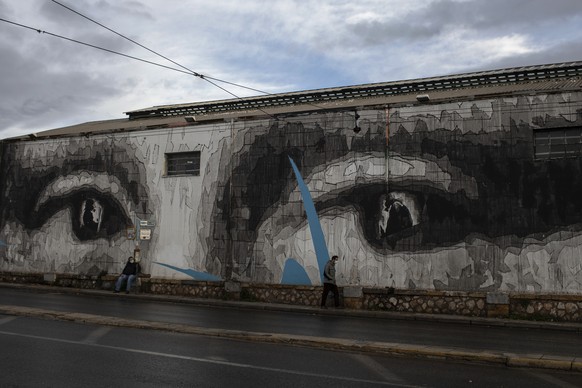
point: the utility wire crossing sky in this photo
(263, 47)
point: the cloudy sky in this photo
(274, 46)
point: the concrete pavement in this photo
(547, 361)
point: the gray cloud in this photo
(106, 10)
(34, 94)
(278, 46)
(47, 81)
(567, 52)
(490, 17)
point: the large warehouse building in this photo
(469, 182)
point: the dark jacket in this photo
(131, 268)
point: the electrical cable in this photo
(95, 47)
(186, 71)
(202, 76)
(427, 110)
(131, 57)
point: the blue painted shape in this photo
(319, 244)
(3, 244)
(294, 273)
(196, 275)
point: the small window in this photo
(556, 143)
(183, 163)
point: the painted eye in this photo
(97, 215)
(94, 214)
(402, 220)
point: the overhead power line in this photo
(93, 46)
(199, 75)
(195, 73)
(208, 79)
(212, 80)
(188, 72)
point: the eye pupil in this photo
(395, 218)
(91, 215)
(398, 218)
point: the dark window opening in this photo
(557, 143)
(183, 163)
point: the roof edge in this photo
(498, 77)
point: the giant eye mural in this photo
(455, 198)
(69, 209)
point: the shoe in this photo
(324, 307)
(115, 292)
(127, 292)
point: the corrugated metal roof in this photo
(523, 80)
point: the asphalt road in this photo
(47, 353)
(414, 332)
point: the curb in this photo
(385, 348)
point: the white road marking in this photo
(209, 361)
(6, 320)
(96, 334)
(378, 368)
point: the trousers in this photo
(327, 287)
(121, 278)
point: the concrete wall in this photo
(444, 197)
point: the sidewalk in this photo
(548, 361)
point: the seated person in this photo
(130, 272)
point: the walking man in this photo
(329, 282)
